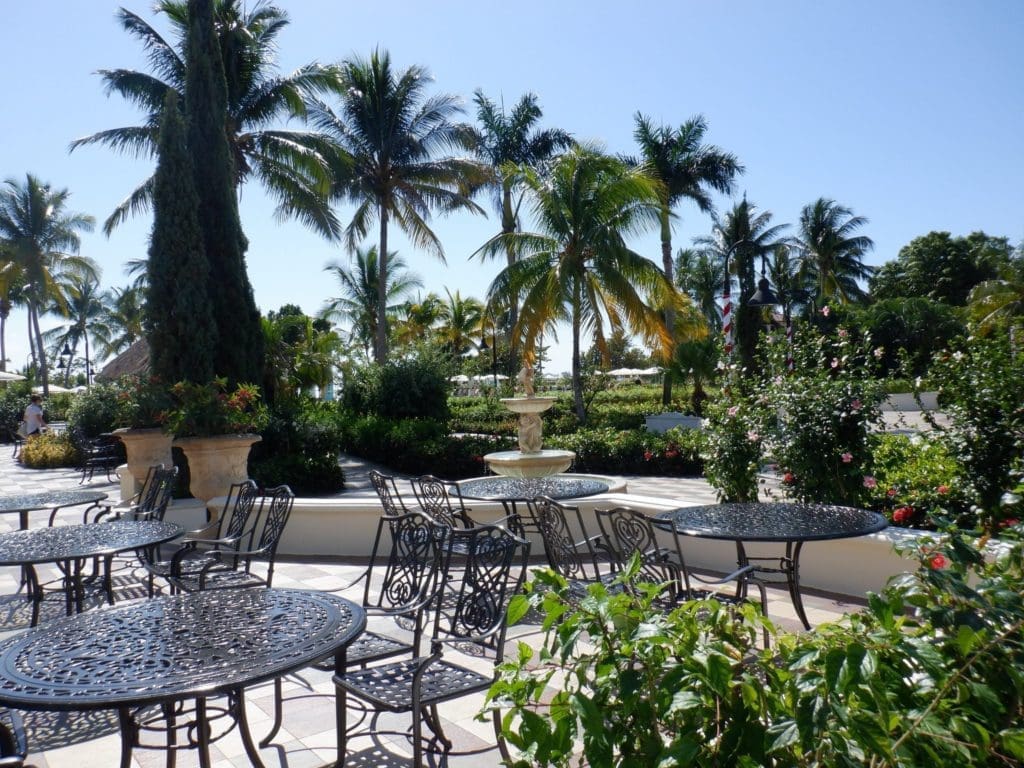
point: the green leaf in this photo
(1012, 741)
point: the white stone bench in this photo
(662, 422)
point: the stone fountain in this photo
(530, 460)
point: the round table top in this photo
(72, 542)
(773, 521)
(26, 502)
(525, 488)
(173, 647)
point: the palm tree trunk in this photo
(670, 310)
(43, 368)
(508, 226)
(380, 351)
(577, 371)
(88, 364)
(5, 311)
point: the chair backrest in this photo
(434, 495)
(485, 566)
(407, 558)
(626, 532)
(387, 492)
(567, 556)
(156, 493)
(237, 511)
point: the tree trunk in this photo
(43, 367)
(508, 226)
(380, 347)
(670, 310)
(5, 311)
(88, 364)
(577, 372)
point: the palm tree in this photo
(700, 277)
(11, 284)
(86, 310)
(391, 139)
(1001, 300)
(744, 236)
(43, 241)
(506, 141)
(285, 162)
(461, 323)
(831, 255)
(360, 294)
(123, 319)
(417, 319)
(577, 266)
(687, 169)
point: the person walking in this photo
(33, 416)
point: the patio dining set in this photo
(175, 666)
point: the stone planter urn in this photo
(145, 448)
(215, 462)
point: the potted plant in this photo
(215, 427)
(141, 411)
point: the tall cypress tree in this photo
(239, 340)
(178, 317)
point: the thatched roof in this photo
(134, 360)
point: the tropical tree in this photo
(461, 323)
(700, 276)
(43, 242)
(416, 319)
(358, 304)
(998, 301)
(577, 267)
(687, 169)
(506, 141)
(123, 318)
(10, 293)
(831, 255)
(85, 310)
(285, 162)
(741, 238)
(390, 143)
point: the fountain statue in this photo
(530, 460)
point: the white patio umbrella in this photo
(7, 376)
(459, 378)
(55, 389)
(649, 371)
(622, 372)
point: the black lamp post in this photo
(494, 352)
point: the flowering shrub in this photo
(203, 410)
(49, 451)
(928, 674)
(981, 391)
(732, 442)
(141, 402)
(817, 418)
(918, 480)
(632, 451)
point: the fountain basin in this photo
(527, 404)
(534, 464)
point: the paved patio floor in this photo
(77, 740)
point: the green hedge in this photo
(633, 452)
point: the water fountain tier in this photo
(530, 460)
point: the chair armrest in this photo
(740, 574)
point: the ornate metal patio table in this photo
(70, 546)
(147, 658)
(791, 524)
(512, 490)
(51, 500)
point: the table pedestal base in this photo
(788, 566)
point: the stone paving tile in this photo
(307, 738)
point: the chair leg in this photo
(433, 720)
(341, 722)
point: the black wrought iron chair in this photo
(625, 532)
(13, 742)
(465, 613)
(398, 584)
(442, 501)
(387, 491)
(233, 530)
(100, 454)
(153, 498)
(571, 552)
(233, 568)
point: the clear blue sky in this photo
(908, 112)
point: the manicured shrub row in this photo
(633, 452)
